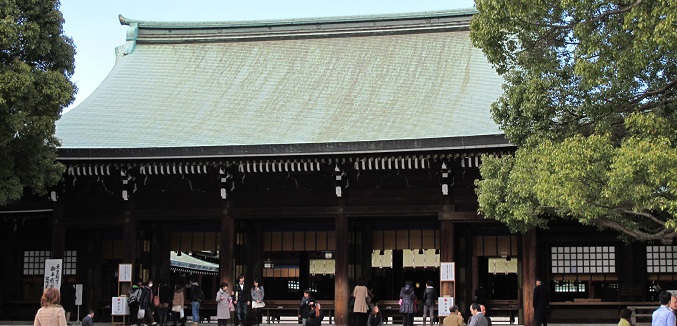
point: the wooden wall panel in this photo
(299, 241)
(198, 241)
(174, 244)
(311, 244)
(287, 241)
(186, 241)
(416, 239)
(490, 247)
(390, 239)
(210, 241)
(331, 235)
(277, 241)
(429, 239)
(377, 240)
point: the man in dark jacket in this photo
(89, 319)
(304, 308)
(540, 304)
(196, 297)
(241, 300)
(429, 297)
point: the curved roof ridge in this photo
(297, 21)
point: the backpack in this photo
(134, 296)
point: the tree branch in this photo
(636, 233)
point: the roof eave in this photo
(466, 143)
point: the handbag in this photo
(141, 314)
(230, 305)
(257, 305)
(156, 301)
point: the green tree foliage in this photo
(36, 62)
(590, 101)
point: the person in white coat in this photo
(223, 305)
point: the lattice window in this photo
(661, 259)
(569, 287)
(34, 262)
(293, 286)
(583, 260)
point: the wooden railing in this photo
(275, 309)
(641, 315)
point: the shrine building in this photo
(307, 154)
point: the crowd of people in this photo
(151, 305)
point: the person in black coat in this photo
(241, 299)
(68, 298)
(540, 304)
(315, 315)
(304, 307)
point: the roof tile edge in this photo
(297, 21)
(180, 32)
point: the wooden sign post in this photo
(119, 306)
(447, 288)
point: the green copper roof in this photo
(291, 90)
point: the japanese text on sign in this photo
(447, 272)
(125, 273)
(444, 305)
(53, 273)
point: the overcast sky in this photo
(95, 28)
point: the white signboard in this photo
(447, 272)
(119, 306)
(78, 294)
(53, 273)
(444, 304)
(125, 273)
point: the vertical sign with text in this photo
(78, 294)
(125, 273)
(53, 273)
(447, 272)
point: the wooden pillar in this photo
(529, 256)
(129, 236)
(304, 270)
(58, 233)
(226, 251)
(341, 285)
(366, 250)
(93, 278)
(256, 252)
(160, 251)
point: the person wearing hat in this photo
(133, 303)
(541, 301)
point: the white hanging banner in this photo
(447, 272)
(444, 304)
(125, 273)
(78, 294)
(53, 273)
